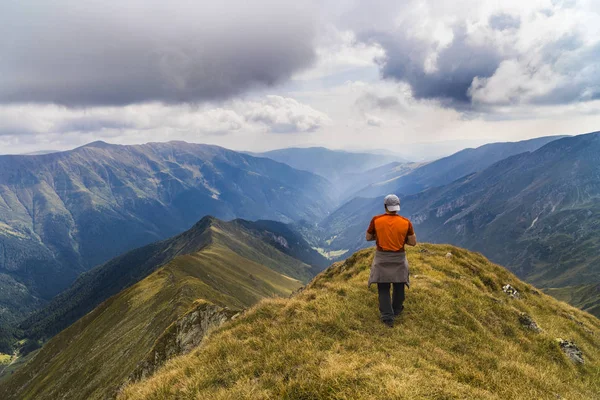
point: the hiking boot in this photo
(389, 322)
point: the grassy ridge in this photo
(250, 240)
(459, 338)
(95, 355)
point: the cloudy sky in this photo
(362, 74)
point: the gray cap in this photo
(392, 202)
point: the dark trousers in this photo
(390, 306)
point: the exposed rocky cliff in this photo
(182, 336)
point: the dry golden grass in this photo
(459, 338)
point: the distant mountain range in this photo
(538, 213)
(166, 273)
(63, 213)
(451, 168)
(374, 181)
(330, 164)
(343, 230)
(138, 305)
(347, 171)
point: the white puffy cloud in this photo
(479, 53)
(515, 82)
(339, 52)
(66, 126)
(284, 115)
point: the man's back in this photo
(390, 231)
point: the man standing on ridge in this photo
(390, 266)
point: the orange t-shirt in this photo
(391, 231)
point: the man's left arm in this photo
(411, 237)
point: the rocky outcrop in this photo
(511, 291)
(528, 323)
(571, 350)
(182, 336)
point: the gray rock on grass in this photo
(511, 291)
(571, 350)
(528, 323)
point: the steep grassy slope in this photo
(96, 354)
(460, 337)
(64, 213)
(265, 242)
(586, 297)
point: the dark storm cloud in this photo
(114, 53)
(456, 64)
(503, 21)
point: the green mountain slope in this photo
(225, 264)
(64, 213)
(266, 242)
(460, 337)
(586, 297)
